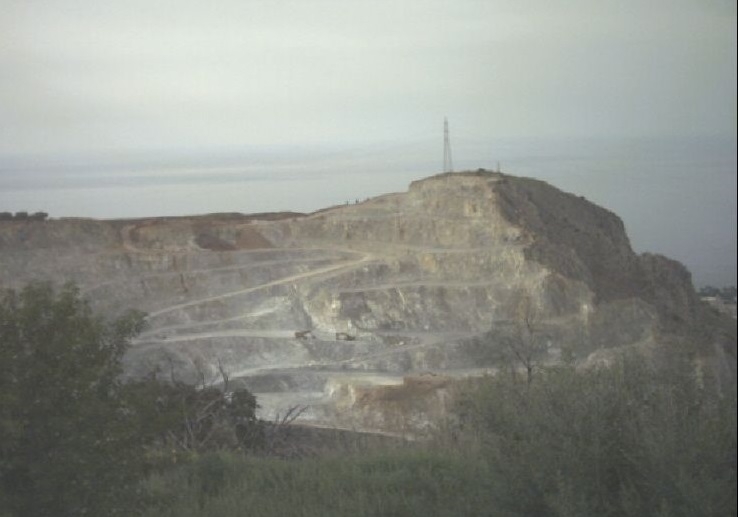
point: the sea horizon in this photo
(676, 196)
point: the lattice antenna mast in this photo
(448, 165)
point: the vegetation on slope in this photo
(628, 440)
(631, 439)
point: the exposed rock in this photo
(343, 308)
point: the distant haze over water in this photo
(676, 196)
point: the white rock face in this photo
(429, 280)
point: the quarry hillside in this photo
(366, 313)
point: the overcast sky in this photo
(93, 75)
(112, 108)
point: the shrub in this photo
(626, 440)
(176, 419)
(75, 440)
(65, 445)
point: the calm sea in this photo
(676, 197)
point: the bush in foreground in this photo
(74, 439)
(65, 444)
(627, 440)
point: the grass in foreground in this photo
(387, 483)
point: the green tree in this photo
(66, 443)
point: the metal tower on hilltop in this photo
(448, 165)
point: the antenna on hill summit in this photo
(448, 165)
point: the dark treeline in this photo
(23, 216)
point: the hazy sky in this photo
(107, 105)
(80, 75)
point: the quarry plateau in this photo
(365, 314)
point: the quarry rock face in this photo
(364, 313)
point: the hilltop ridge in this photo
(320, 309)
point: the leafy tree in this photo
(66, 445)
(74, 439)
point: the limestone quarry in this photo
(365, 314)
